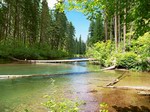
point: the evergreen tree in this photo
(61, 23)
(96, 30)
(45, 23)
(70, 38)
(82, 46)
(90, 40)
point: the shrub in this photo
(111, 60)
(127, 60)
(104, 107)
(141, 46)
(63, 105)
(101, 51)
(143, 65)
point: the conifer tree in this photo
(44, 22)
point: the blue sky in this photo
(78, 20)
(80, 23)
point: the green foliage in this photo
(96, 30)
(137, 56)
(30, 30)
(141, 46)
(127, 60)
(104, 107)
(101, 51)
(36, 51)
(63, 105)
(141, 16)
(70, 39)
(143, 65)
(137, 11)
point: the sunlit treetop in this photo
(90, 8)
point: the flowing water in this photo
(74, 81)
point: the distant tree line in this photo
(26, 24)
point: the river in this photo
(74, 81)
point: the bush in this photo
(143, 65)
(63, 105)
(101, 51)
(110, 61)
(141, 46)
(127, 60)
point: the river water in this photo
(79, 81)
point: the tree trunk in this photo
(110, 29)
(119, 36)
(116, 26)
(124, 31)
(116, 36)
(106, 28)
(16, 20)
(131, 29)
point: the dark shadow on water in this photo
(131, 108)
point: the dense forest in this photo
(119, 33)
(30, 30)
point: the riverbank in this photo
(135, 56)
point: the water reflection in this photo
(29, 69)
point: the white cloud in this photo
(51, 3)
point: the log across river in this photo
(60, 61)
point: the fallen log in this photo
(61, 61)
(130, 87)
(13, 76)
(144, 93)
(117, 80)
(110, 68)
(113, 83)
(15, 59)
